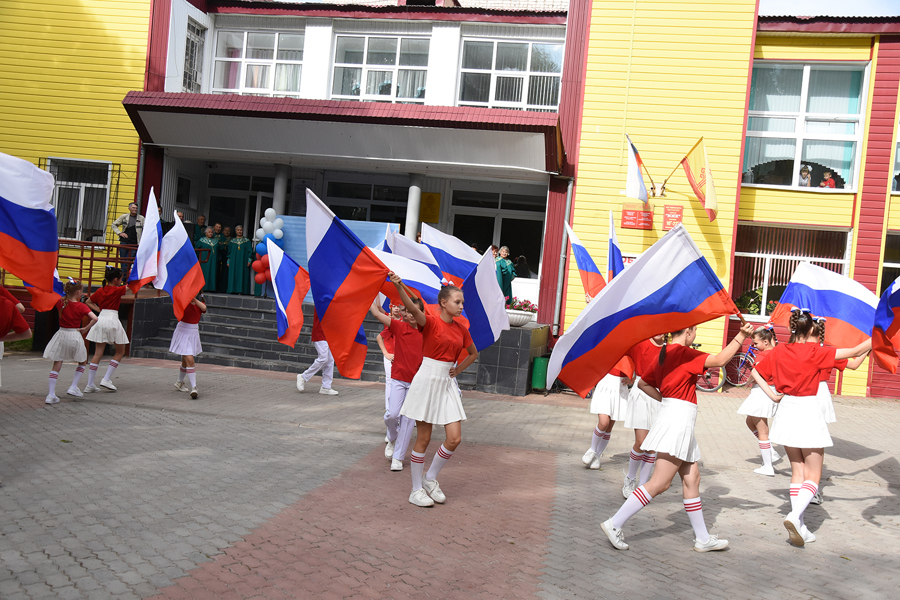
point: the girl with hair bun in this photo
(67, 344)
(758, 408)
(799, 423)
(109, 330)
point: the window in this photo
(805, 121)
(258, 63)
(368, 202)
(890, 269)
(80, 197)
(193, 57)
(517, 75)
(380, 69)
(765, 259)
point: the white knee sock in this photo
(604, 441)
(440, 459)
(795, 488)
(54, 375)
(756, 434)
(634, 464)
(192, 376)
(596, 439)
(78, 371)
(647, 469)
(635, 502)
(416, 466)
(694, 509)
(109, 371)
(92, 374)
(805, 494)
(765, 449)
(181, 374)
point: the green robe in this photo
(212, 261)
(506, 272)
(222, 276)
(199, 232)
(240, 255)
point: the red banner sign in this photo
(672, 216)
(637, 219)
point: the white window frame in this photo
(526, 75)
(802, 117)
(57, 184)
(195, 40)
(272, 63)
(365, 68)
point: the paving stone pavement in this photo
(256, 490)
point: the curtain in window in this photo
(93, 214)
(769, 161)
(837, 156)
(543, 90)
(834, 92)
(785, 241)
(776, 89)
(379, 83)
(509, 89)
(287, 78)
(67, 211)
(411, 84)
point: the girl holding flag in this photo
(433, 399)
(186, 342)
(67, 344)
(641, 413)
(672, 434)
(109, 329)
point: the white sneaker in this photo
(710, 545)
(328, 391)
(301, 383)
(74, 391)
(386, 439)
(91, 389)
(396, 465)
(588, 457)
(818, 498)
(629, 487)
(595, 464)
(792, 524)
(808, 536)
(616, 536)
(434, 490)
(764, 470)
(420, 498)
(106, 383)
(389, 451)
(180, 386)
(51, 399)
(194, 393)
(775, 456)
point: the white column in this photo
(279, 194)
(443, 64)
(317, 63)
(413, 204)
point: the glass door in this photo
(260, 203)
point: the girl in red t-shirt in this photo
(758, 408)
(672, 434)
(433, 398)
(67, 344)
(109, 329)
(186, 342)
(641, 412)
(799, 423)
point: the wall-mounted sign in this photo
(672, 216)
(636, 216)
(430, 208)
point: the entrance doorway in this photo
(230, 211)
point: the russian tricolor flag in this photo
(485, 306)
(614, 262)
(454, 257)
(29, 246)
(345, 277)
(591, 278)
(405, 247)
(178, 271)
(42, 301)
(634, 184)
(667, 288)
(886, 330)
(291, 283)
(848, 307)
(415, 276)
(145, 269)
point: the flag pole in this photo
(680, 161)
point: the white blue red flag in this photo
(455, 258)
(403, 246)
(414, 274)
(591, 278)
(178, 271)
(886, 330)
(848, 307)
(485, 305)
(291, 283)
(144, 269)
(42, 301)
(667, 288)
(345, 277)
(634, 184)
(29, 246)
(614, 262)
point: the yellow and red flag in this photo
(696, 168)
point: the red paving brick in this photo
(358, 537)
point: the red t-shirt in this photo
(317, 334)
(388, 338)
(444, 341)
(829, 183)
(70, 317)
(109, 297)
(677, 376)
(192, 314)
(766, 373)
(10, 317)
(408, 344)
(840, 365)
(645, 356)
(4, 293)
(795, 368)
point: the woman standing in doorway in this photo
(240, 255)
(506, 272)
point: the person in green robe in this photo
(240, 255)
(222, 276)
(199, 229)
(506, 272)
(211, 244)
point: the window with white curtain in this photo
(193, 57)
(805, 125)
(379, 68)
(80, 198)
(519, 75)
(258, 63)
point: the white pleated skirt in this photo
(800, 423)
(108, 329)
(642, 409)
(432, 396)
(758, 404)
(673, 430)
(66, 345)
(186, 340)
(825, 402)
(610, 398)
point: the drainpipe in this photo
(140, 182)
(562, 260)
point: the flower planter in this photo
(518, 318)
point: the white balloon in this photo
(262, 221)
(279, 223)
(268, 227)
(278, 234)
(271, 214)
(260, 233)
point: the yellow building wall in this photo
(787, 206)
(667, 74)
(817, 48)
(894, 213)
(66, 66)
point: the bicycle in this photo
(712, 379)
(739, 368)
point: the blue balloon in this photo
(261, 248)
(279, 243)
